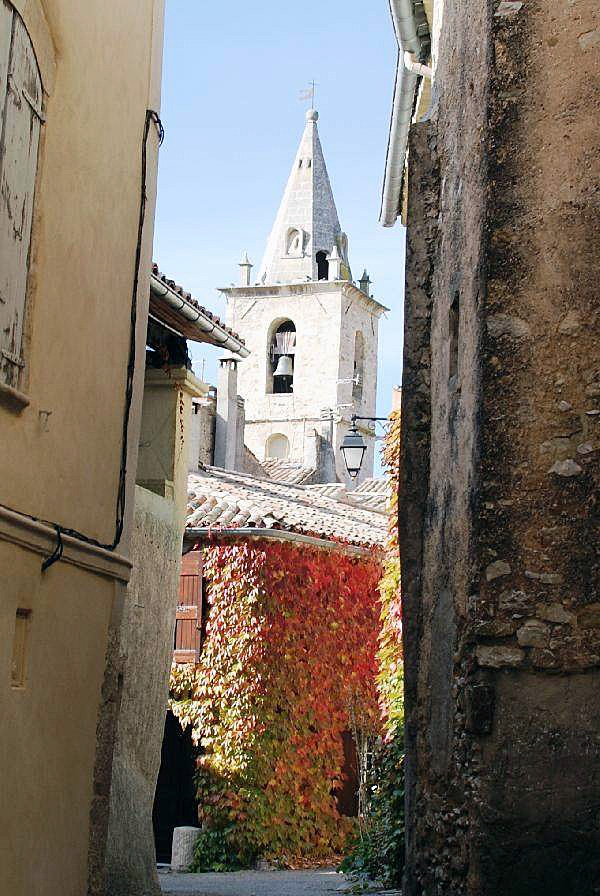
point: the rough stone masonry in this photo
(499, 491)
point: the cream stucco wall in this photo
(60, 454)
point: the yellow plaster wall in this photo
(101, 67)
(83, 245)
(48, 733)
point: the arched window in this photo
(278, 446)
(21, 101)
(294, 242)
(282, 352)
(322, 266)
(359, 365)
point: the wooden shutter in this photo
(21, 97)
(188, 624)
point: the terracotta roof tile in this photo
(280, 470)
(225, 499)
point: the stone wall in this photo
(499, 491)
(147, 643)
(147, 626)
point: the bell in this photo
(284, 366)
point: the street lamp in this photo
(353, 446)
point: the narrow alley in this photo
(300, 448)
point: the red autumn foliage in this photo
(290, 655)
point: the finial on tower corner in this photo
(365, 283)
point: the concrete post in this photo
(182, 853)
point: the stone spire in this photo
(307, 221)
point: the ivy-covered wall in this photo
(289, 663)
(390, 677)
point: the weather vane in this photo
(309, 94)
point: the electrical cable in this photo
(152, 117)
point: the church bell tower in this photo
(311, 331)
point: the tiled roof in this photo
(378, 486)
(372, 494)
(287, 471)
(223, 499)
(190, 300)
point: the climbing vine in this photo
(378, 850)
(289, 663)
(390, 678)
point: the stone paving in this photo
(255, 883)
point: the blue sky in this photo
(232, 77)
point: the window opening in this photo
(278, 446)
(294, 242)
(322, 266)
(282, 352)
(19, 651)
(359, 365)
(21, 99)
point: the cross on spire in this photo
(309, 94)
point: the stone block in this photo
(497, 569)
(184, 841)
(555, 613)
(498, 656)
(565, 468)
(533, 634)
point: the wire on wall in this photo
(152, 117)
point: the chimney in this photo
(245, 270)
(202, 433)
(228, 417)
(240, 447)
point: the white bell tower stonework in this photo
(311, 331)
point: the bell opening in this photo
(282, 350)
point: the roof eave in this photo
(194, 324)
(211, 534)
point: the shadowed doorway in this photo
(175, 799)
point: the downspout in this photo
(408, 72)
(417, 68)
(208, 534)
